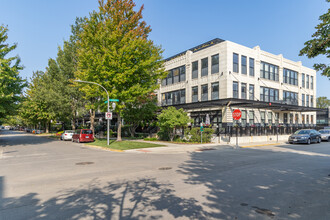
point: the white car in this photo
(67, 135)
(325, 134)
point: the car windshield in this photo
(86, 132)
(69, 131)
(302, 132)
(324, 131)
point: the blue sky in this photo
(278, 27)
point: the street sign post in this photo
(237, 114)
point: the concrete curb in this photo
(260, 145)
(103, 148)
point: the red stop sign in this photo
(237, 114)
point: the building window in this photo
(307, 119)
(285, 118)
(251, 92)
(235, 62)
(302, 99)
(251, 118)
(268, 94)
(164, 82)
(307, 81)
(303, 119)
(277, 118)
(290, 77)
(312, 86)
(251, 67)
(307, 100)
(303, 80)
(270, 118)
(176, 75)
(174, 97)
(243, 65)
(195, 70)
(291, 118)
(269, 71)
(243, 91)
(290, 98)
(170, 77)
(204, 92)
(296, 118)
(235, 90)
(215, 91)
(312, 101)
(262, 117)
(215, 64)
(312, 119)
(164, 99)
(194, 94)
(182, 70)
(243, 118)
(205, 66)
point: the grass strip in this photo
(122, 145)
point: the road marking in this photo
(260, 145)
(27, 155)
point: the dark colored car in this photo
(306, 136)
(83, 135)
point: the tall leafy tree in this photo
(114, 51)
(322, 102)
(11, 84)
(320, 44)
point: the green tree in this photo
(171, 119)
(140, 114)
(322, 102)
(11, 84)
(320, 44)
(114, 51)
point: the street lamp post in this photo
(108, 120)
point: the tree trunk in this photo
(47, 127)
(74, 116)
(132, 129)
(92, 119)
(119, 127)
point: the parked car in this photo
(83, 135)
(67, 135)
(325, 134)
(305, 136)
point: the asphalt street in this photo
(41, 178)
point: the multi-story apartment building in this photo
(214, 78)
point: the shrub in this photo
(163, 134)
(194, 135)
(150, 139)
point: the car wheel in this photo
(319, 140)
(328, 139)
(309, 141)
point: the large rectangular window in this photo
(251, 67)
(235, 89)
(215, 91)
(307, 81)
(285, 118)
(291, 118)
(303, 80)
(182, 70)
(290, 98)
(262, 118)
(268, 94)
(170, 77)
(243, 65)
(194, 94)
(243, 118)
(176, 75)
(251, 118)
(270, 118)
(269, 71)
(205, 66)
(204, 92)
(312, 101)
(174, 97)
(235, 62)
(251, 92)
(307, 100)
(194, 68)
(243, 91)
(312, 83)
(302, 99)
(277, 118)
(215, 64)
(290, 77)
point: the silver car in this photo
(67, 135)
(325, 134)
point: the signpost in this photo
(237, 114)
(108, 115)
(202, 129)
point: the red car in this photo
(83, 135)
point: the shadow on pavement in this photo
(12, 138)
(141, 199)
(256, 184)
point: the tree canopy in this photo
(320, 44)
(11, 84)
(322, 102)
(114, 51)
